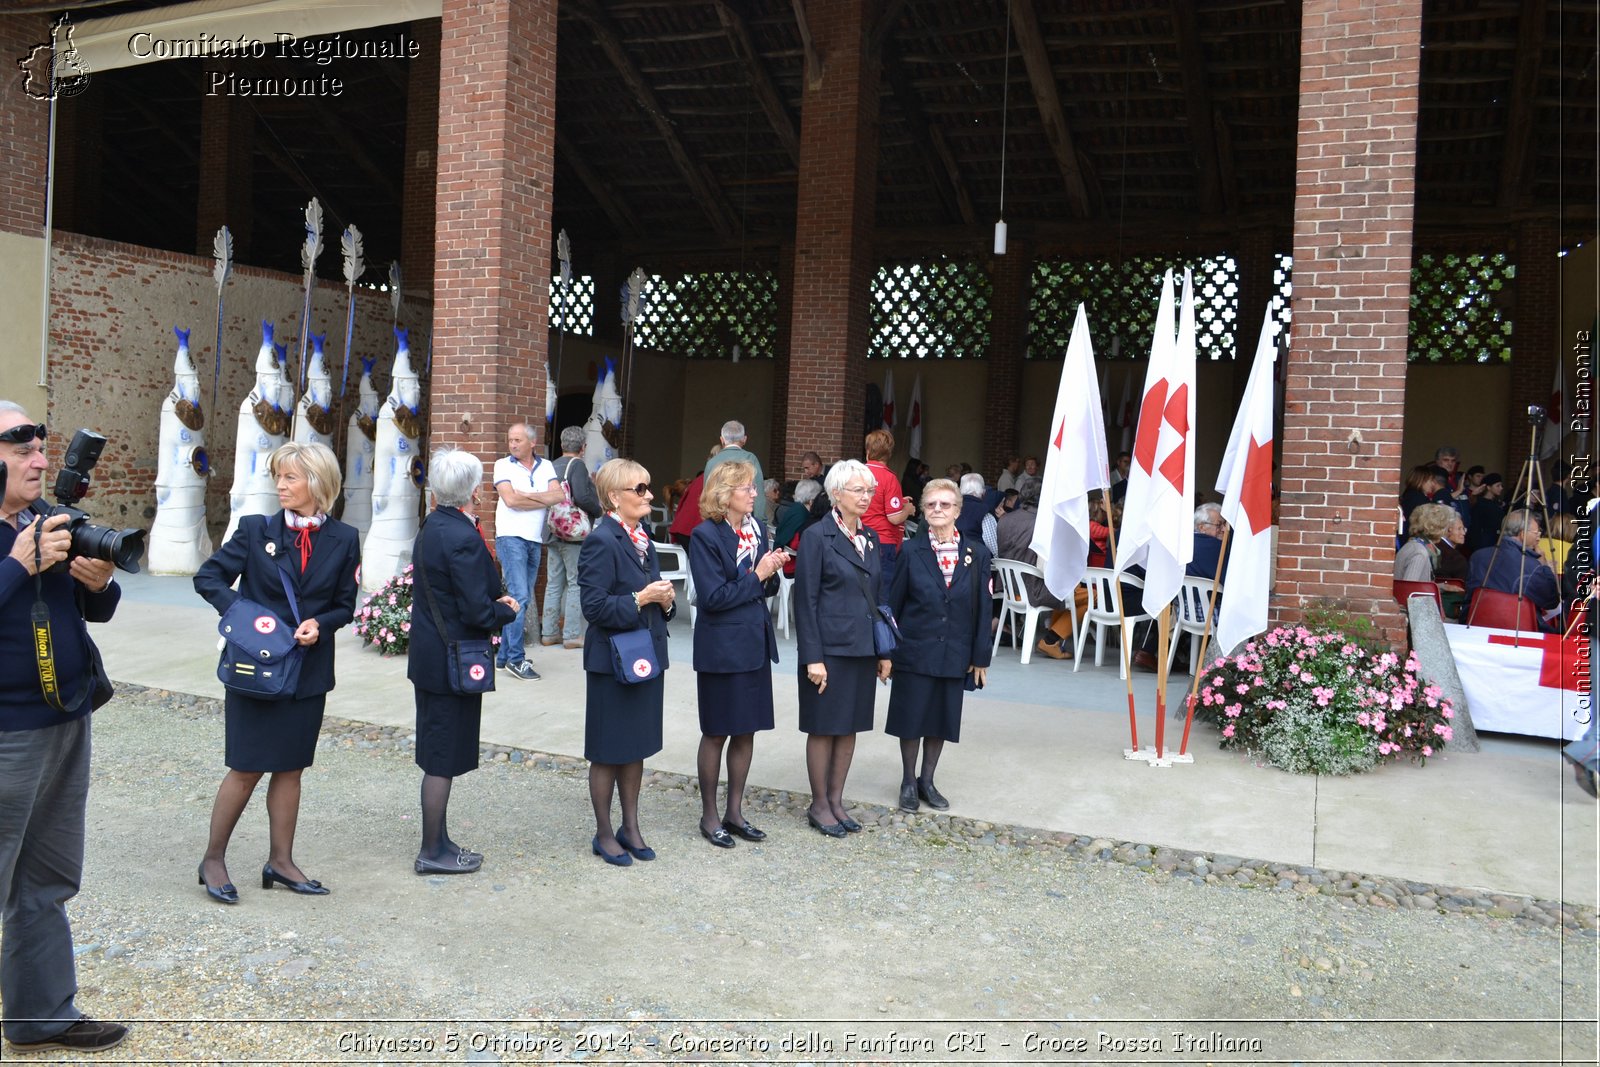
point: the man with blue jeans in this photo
(527, 486)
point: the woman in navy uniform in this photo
(940, 597)
(317, 556)
(734, 645)
(450, 555)
(621, 589)
(835, 604)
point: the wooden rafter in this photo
(1197, 95)
(1036, 57)
(702, 186)
(622, 219)
(813, 58)
(766, 89)
(1524, 93)
(884, 25)
(938, 158)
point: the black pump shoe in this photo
(826, 829)
(222, 894)
(719, 837)
(744, 830)
(311, 887)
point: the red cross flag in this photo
(1158, 515)
(1074, 464)
(1245, 482)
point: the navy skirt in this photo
(271, 735)
(921, 705)
(622, 723)
(845, 707)
(734, 704)
(447, 732)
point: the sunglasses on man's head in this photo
(23, 433)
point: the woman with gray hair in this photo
(835, 608)
(450, 560)
(1418, 558)
(562, 623)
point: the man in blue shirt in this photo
(44, 754)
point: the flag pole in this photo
(1122, 642)
(1205, 640)
(1163, 644)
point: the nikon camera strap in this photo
(43, 643)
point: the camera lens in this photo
(121, 547)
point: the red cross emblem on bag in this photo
(475, 672)
(641, 667)
(265, 624)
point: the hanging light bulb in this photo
(1000, 238)
(1005, 100)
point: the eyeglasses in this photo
(859, 490)
(744, 488)
(23, 433)
(938, 505)
(642, 489)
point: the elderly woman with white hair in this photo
(304, 549)
(450, 561)
(835, 608)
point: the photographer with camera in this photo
(46, 696)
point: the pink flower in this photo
(1227, 731)
(405, 627)
(1241, 689)
(1427, 750)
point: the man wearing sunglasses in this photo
(44, 754)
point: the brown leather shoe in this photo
(1144, 661)
(1050, 648)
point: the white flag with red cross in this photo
(1245, 482)
(1522, 683)
(1074, 464)
(1158, 513)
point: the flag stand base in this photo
(1148, 754)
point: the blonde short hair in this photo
(720, 484)
(616, 476)
(316, 463)
(942, 485)
(879, 445)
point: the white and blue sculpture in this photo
(360, 452)
(263, 426)
(605, 419)
(314, 417)
(397, 474)
(179, 542)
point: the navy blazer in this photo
(942, 631)
(609, 573)
(733, 632)
(325, 592)
(835, 600)
(466, 586)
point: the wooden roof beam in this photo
(1197, 93)
(622, 219)
(813, 57)
(1036, 57)
(766, 89)
(942, 165)
(884, 25)
(1520, 117)
(702, 187)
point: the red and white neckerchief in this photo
(303, 525)
(637, 534)
(945, 553)
(748, 534)
(859, 538)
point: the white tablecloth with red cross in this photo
(1522, 683)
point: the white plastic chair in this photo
(1102, 615)
(1015, 605)
(783, 604)
(1194, 601)
(677, 572)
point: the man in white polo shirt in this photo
(527, 485)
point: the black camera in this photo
(1536, 415)
(121, 547)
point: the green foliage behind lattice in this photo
(1121, 300)
(936, 309)
(704, 315)
(1459, 308)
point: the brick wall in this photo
(1011, 274)
(24, 131)
(833, 261)
(1345, 391)
(112, 309)
(493, 255)
(773, 460)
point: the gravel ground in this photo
(924, 938)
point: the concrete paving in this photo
(1041, 747)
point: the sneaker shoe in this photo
(523, 670)
(85, 1035)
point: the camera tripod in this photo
(1530, 481)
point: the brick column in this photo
(1010, 274)
(834, 214)
(1344, 399)
(227, 144)
(1535, 346)
(419, 182)
(24, 130)
(491, 276)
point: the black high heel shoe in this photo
(222, 894)
(311, 887)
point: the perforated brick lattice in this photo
(931, 310)
(705, 315)
(1459, 308)
(1121, 301)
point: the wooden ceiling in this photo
(1122, 124)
